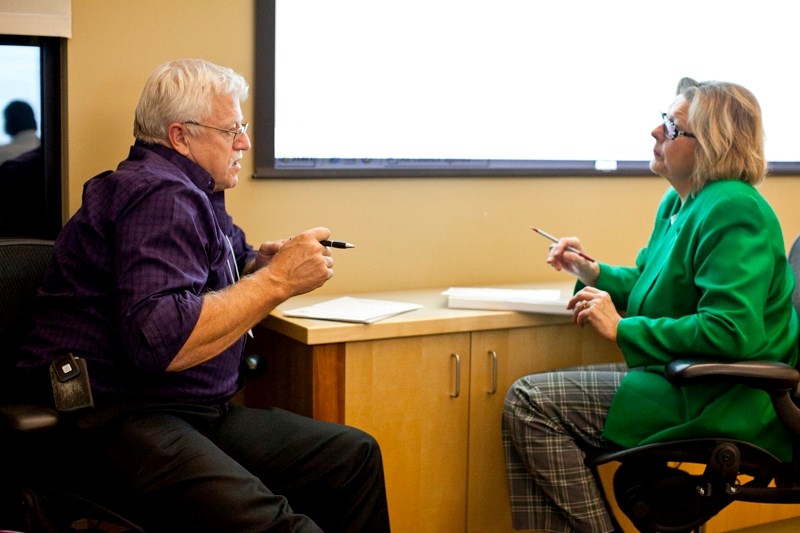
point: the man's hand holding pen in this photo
(302, 262)
(268, 249)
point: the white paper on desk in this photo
(548, 301)
(350, 309)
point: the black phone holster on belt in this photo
(70, 381)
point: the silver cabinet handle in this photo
(457, 392)
(493, 360)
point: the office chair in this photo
(41, 487)
(659, 497)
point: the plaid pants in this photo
(550, 421)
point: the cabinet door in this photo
(498, 359)
(412, 395)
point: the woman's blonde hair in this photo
(180, 91)
(726, 121)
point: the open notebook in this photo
(548, 301)
(350, 309)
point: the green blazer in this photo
(713, 281)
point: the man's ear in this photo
(177, 138)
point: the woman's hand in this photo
(594, 307)
(561, 258)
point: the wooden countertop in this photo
(433, 318)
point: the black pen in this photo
(337, 244)
(554, 239)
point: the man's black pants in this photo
(238, 469)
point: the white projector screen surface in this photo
(526, 85)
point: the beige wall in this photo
(410, 232)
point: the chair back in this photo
(23, 263)
(794, 262)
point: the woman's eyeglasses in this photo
(671, 131)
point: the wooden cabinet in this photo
(412, 395)
(429, 386)
(498, 359)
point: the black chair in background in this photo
(657, 496)
(41, 484)
(23, 204)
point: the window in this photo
(31, 71)
(508, 87)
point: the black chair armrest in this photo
(765, 375)
(26, 418)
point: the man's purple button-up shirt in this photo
(129, 273)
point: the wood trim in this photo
(328, 377)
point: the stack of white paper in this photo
(350, 309)
(529, 300)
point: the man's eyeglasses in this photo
(241, 130)
(671, 131)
